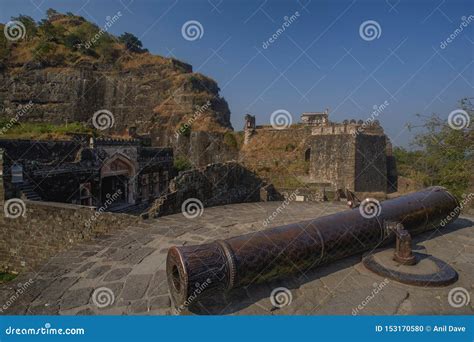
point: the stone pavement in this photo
(125, 273)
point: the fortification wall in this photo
(370, 164)
(48, 228)
(333, 159)
(331, 156)
(216, 184)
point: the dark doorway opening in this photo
(114, 188)
(307, 154)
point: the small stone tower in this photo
(249, 128)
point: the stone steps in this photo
(29, 191)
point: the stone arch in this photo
(121, 167)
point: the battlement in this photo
(320, 125)
(349, 127)
(116, 142)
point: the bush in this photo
(108, 53)
(48, 54)
(132, 43)
(51, 33)
(444, 155)
(230, 140)
(30, 25)
(182, 163)
(72, 41)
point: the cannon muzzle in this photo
(295, 248)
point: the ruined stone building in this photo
(331, 156)
(315, 118)
(352, 155)
(115, 173)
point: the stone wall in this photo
(370, 164)
(49, 228)
(332, 160)
(216, 184)
(203, 148)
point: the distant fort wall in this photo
(356, 155)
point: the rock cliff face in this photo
(65, 69)
(158, 96)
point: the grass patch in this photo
(41, 130)
(5, 277)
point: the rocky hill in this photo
(64, 69)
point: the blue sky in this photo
(320, 60)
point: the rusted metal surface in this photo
(403, 252)
(429, 271)
(295, 248)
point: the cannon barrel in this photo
(294, 248)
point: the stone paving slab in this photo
(124, 273)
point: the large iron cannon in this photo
(291, 249)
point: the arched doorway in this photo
(117, 180)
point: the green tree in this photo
(445, 151)
(30, 25)
(132, 43)
(51, 13)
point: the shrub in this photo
(30, 25)
(230, 140)
(132, 43)
(182, 163)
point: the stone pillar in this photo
(249, 128)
